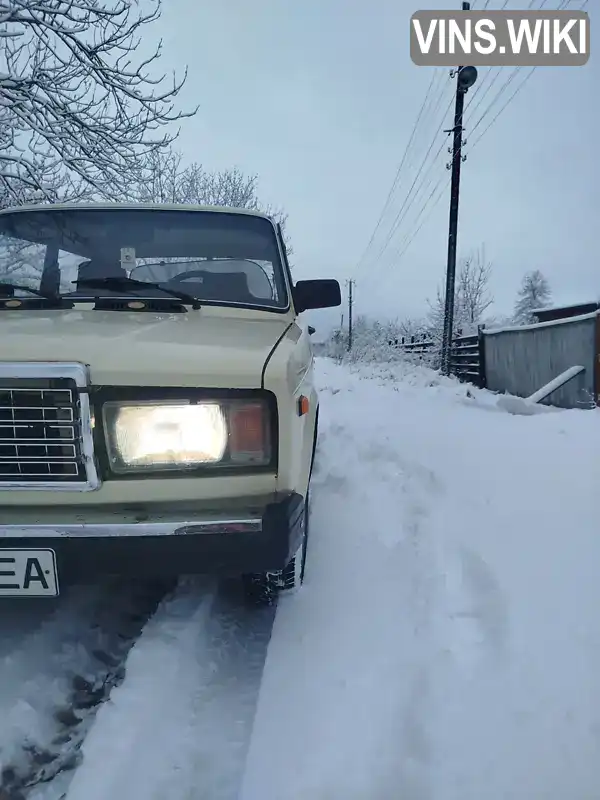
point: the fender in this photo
(270, 356)
(316, 436)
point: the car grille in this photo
(41, 432)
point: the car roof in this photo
(133, 207)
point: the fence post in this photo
(597, 362)
(481, 346)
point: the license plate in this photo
(28, 573)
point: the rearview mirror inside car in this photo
(323, 293)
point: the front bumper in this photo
(222, 546)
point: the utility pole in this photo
(350, 303)
(465, 78)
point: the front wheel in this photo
(263, 588)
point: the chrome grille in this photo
(40, 433)
(45, 427)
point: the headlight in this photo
(184, 435)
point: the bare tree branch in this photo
(472, 298)
(77, 109)
(168, 181)
(473, 287)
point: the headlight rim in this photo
(125, 396)
(115, 457)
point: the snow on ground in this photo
(446, 644)
(41, 649)
(179, 725)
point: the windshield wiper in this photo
(117, 284)
(8, 289)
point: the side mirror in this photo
(324, 293)
(311, 330)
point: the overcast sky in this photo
(319, 98)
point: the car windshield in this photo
(218, 257)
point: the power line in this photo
(477, 92)
(511, 77)
(514, 94)
(398, 172)
(407, 241)
(401, 216)
(404, 212)
(435, 105)
(397, 219)
(497, 96)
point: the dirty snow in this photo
(179, 726)
(41, 649)
(445, 646)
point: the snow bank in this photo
(446, 644)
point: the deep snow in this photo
(445, 645)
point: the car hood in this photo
(200, 348)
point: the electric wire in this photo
(442, 184)
(435, 105)
(408, 240)
(398, 217)
(398, 173)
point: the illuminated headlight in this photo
(184, 435)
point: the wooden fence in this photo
(466, 357)
(521, 360)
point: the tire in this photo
(292, 577)
(264, 588)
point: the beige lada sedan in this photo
(158, 414)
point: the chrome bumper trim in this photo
(99, 530)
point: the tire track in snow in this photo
(39, 645)
(476, 625)
(416, 488)
(52, 684)
(362, 622)
(178, 727)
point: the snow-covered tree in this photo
(473, 289)
(534, 293)
(406, 328)
(169, 181)
(372, 341)
(337, 344)
(472, 297)
(499, 321)
(78, 109)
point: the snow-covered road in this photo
(445, 645)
